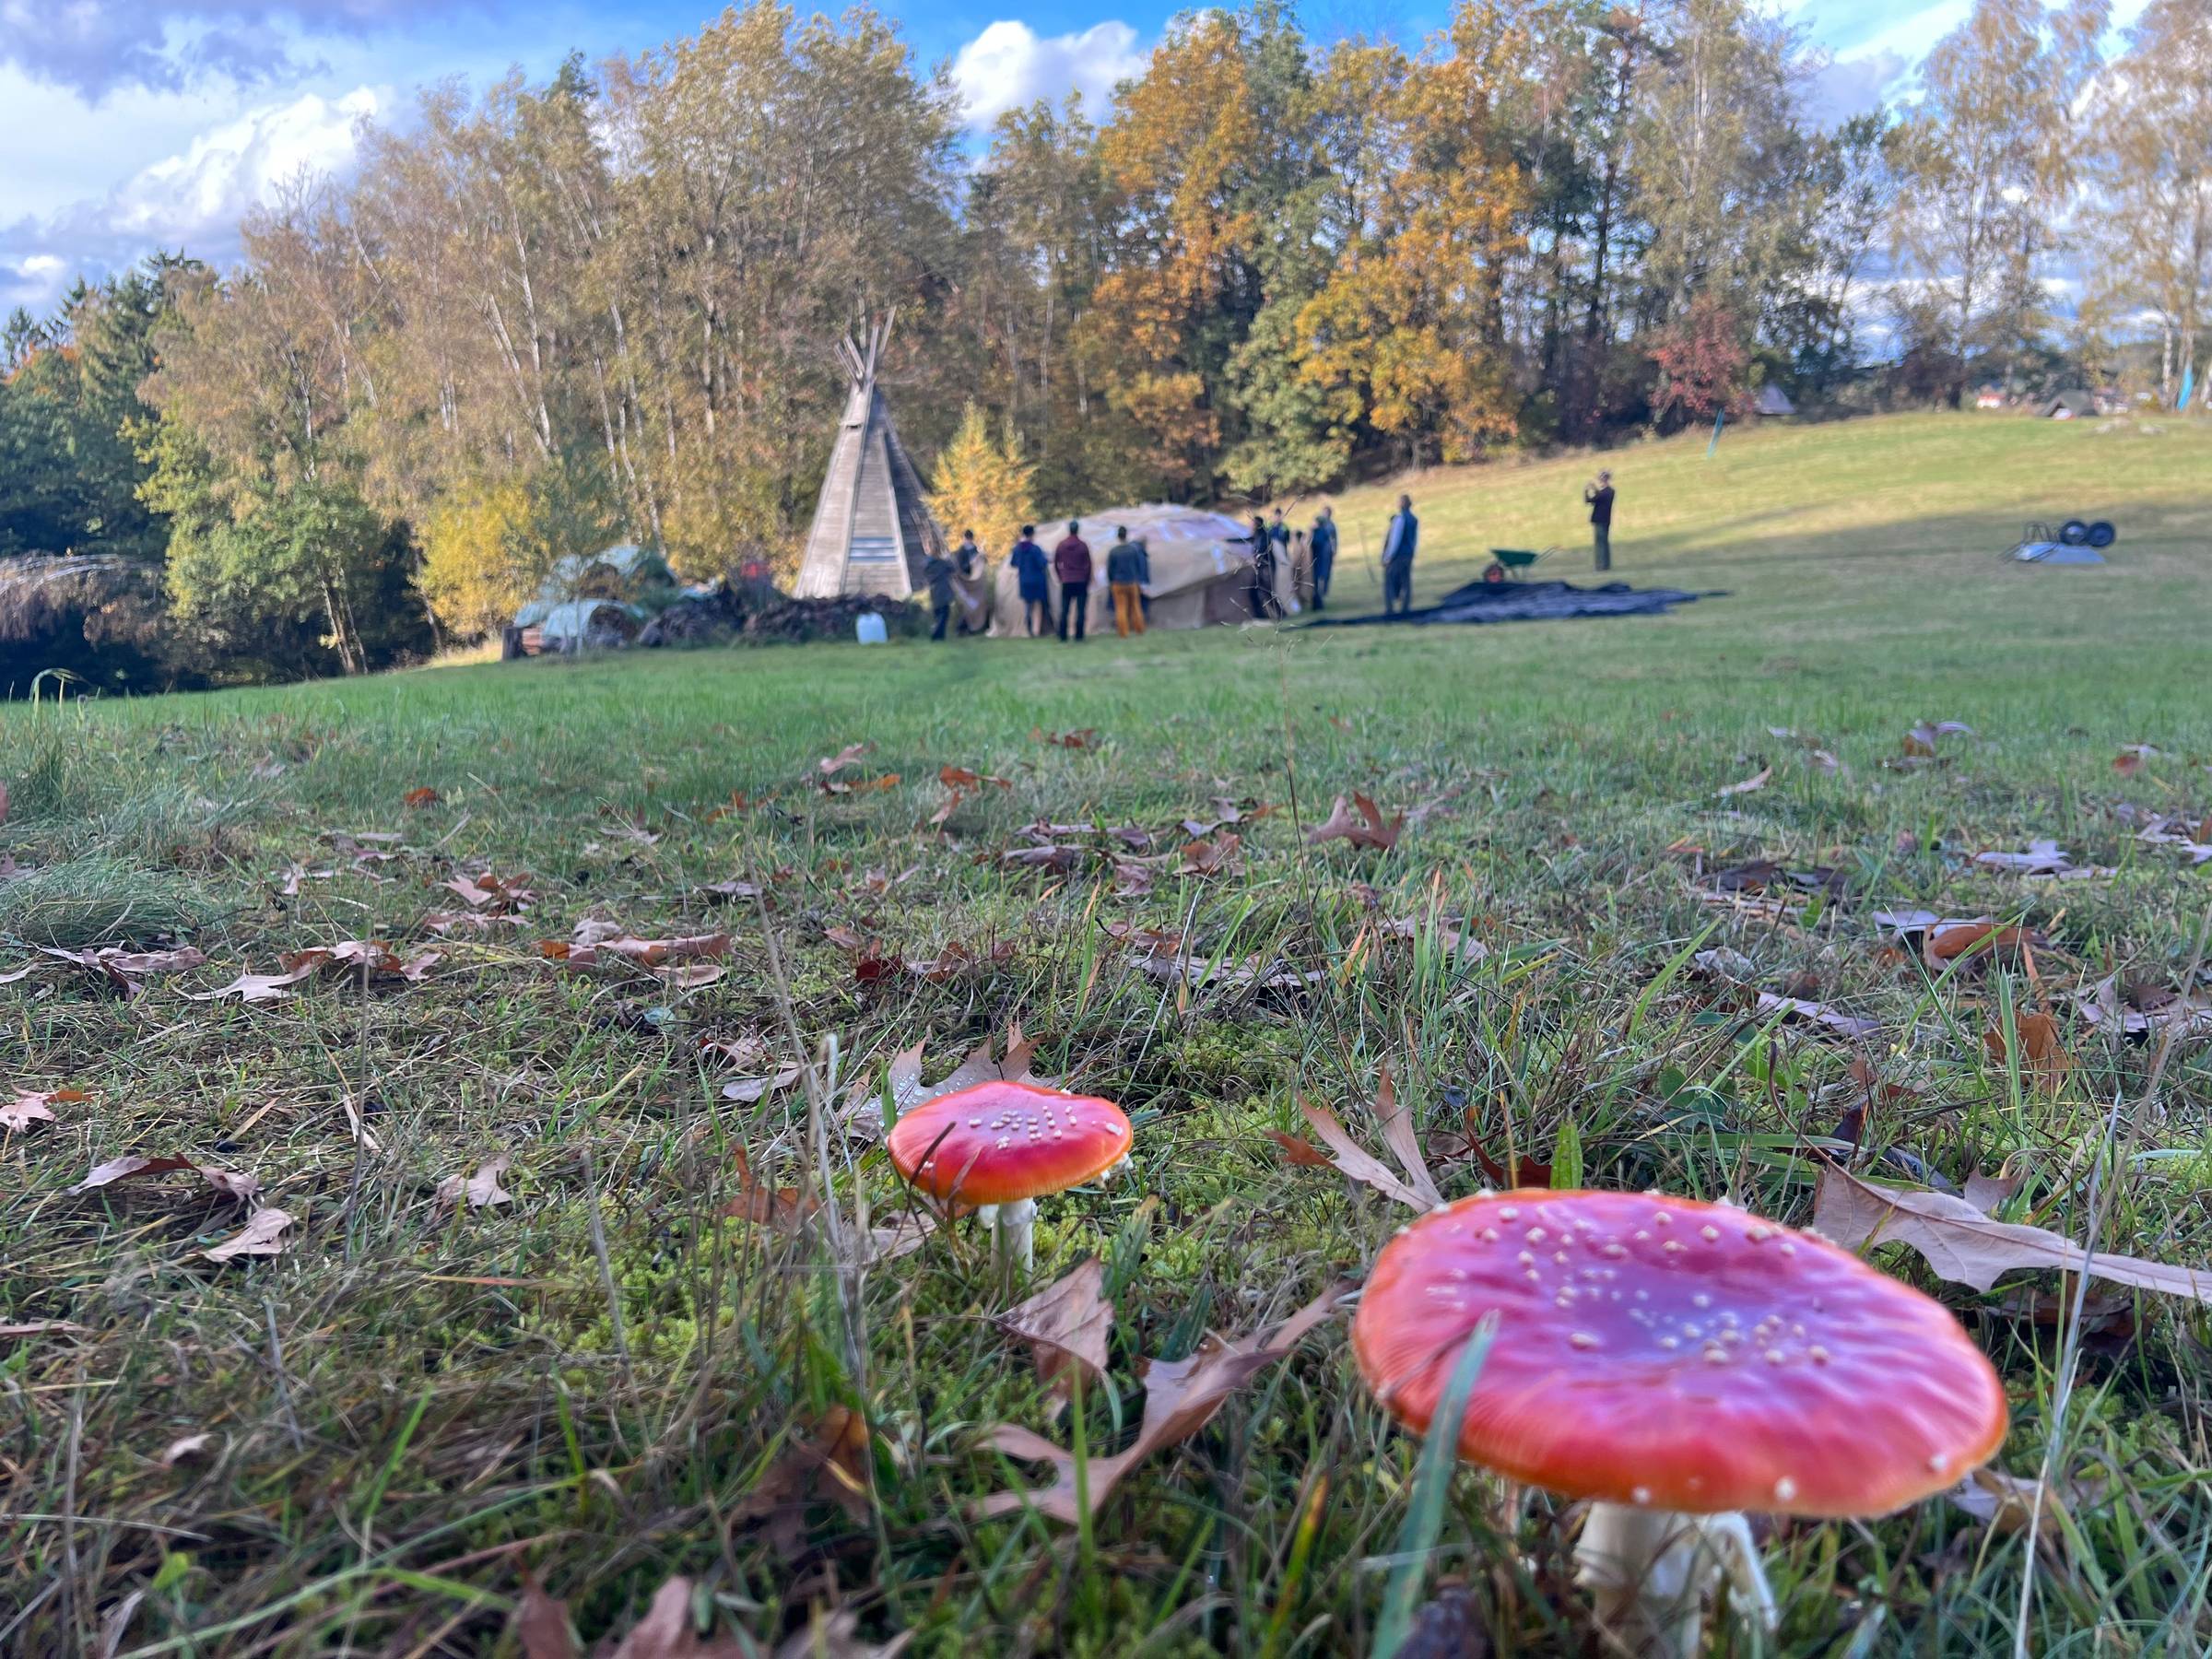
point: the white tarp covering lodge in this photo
(1201, 568)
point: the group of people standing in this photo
(1275, 545)
(1128, 568)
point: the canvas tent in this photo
(872, 530)
(1201, 568)
(2069, 405)
(1772, 400)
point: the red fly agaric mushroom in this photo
(1678, 1363)
(1003, 1146)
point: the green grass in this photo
(411, 1408)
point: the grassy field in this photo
(648, 1363)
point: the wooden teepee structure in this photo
(872, 529)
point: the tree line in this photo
(599, 307)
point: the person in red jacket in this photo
(1071, 563)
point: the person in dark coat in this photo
(1264, 603)
(1071, 563)
(1599, 494)
(1032, 572)
(1321, 549)
(937, 572)
(1398, 544)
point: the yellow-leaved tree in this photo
(982, 483)
(478, 561)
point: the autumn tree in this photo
(1989, 157)
(2151, 169)
(982, 483)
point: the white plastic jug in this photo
(868, 627)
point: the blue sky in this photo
(137, 123)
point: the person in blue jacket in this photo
(1398, 543)
(1030, 570)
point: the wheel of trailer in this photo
(1495, 573)
(2103, 534)
(2074, 534)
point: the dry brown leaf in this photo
(423, 795)
(1965, 1246)
(2135, 1009)
(2044, 1058)
(1067, 1323)
(127, 1167)
(960, 777)
(1210, 857)
(29, 1107)
(1921, 740)
(260, 987)
(541, 1624)
(1849, 1025)
(1361, 1165)
(1404, 1144)
(1757, 780)
(783, 1209)
(2004, 1502)
(746, 1090)
(501, 894)
(593, 947)
(863, 1100)
(1180, 1397)
(1359, 822)
(1086, 738)
(2130, 759)
(482, 1189)
(665, 1631)
(1300, 1151)
(261, 1236)
(123, 970)
(828, 765)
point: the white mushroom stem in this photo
(1649, 1569)
(1014, 1226)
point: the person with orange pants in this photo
(1124, 577)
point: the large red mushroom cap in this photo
(999, 1143)
(1677, 1355)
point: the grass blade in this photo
(1431, 1481)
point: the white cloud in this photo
(226, 172)
(191, 200)
(1010, 65)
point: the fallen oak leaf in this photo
(1180, 1397)
(263, 1235)
(123, 970)
(1849, 1025)
(2042, 1057)
(746, 1090)
(422, 796)
(1965, 1246)
(262, 987)
(1359, 822)
(480, 1190)
(486, 892)
(1083, 739)
(1300, 1151)
(864, 1102)
(785, 1209)
(1921, 740)
(2130, 759)
(665, 1631)
(1210, 857)
(30, 1107)
(960, 777)
(1067, 1324)
(828, 765)
(541, 1624)
(1362, 1166)
(1757, 780)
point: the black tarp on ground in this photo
(1531, 602)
